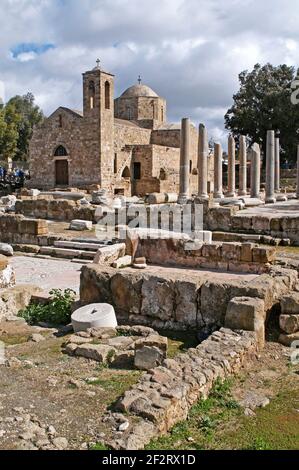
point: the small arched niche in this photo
(126, 173)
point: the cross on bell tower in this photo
(98, 63)
(139, 79)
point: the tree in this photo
(9, 121)
(29, 116)
(263, 103)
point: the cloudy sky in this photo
(188, 51)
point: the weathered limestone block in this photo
(160, 342)
(109, 254)
(263, 255)
(7, 277)
(289, 323)
(213, 302)
(98, 352)
(158, 296)
(231, 251)
(126, 292)
(186, 302)
(246, 252)
(289, 340)
(213, 252)
(6, 250)
(122, 262)
(16, 298)
(80, 225)
(246, 313)
(148, 357)
(290, 304)
(95, 284)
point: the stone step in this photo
(75, 245)
(66, 253)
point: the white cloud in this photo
(189, 51)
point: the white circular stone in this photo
(94, 316)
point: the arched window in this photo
(115, 163)
(126, 173)
(129, 114)
(190, 166)
(92, 93)
(60, 120)
(107, 95)
(60, 151)
(162, 114)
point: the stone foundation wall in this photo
(236, 257)
(177, 300)
(230, 219)
(54, 209)
(18, 229)
(164, 395)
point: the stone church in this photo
(124, 145)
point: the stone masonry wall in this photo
(54, 209)
(177, 299)
(164, 395)
(18, 229)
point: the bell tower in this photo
(98, 114)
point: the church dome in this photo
(136, 91)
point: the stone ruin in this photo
(224, 284)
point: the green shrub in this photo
(57, 311)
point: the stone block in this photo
(213, 252)
(289, 323)
(246, 252)
(6, 250)
(160, 342)
(247, 313)
(263, 255)
(80, 225)
(98, 352)
(158, 297)
(290, 304)
(109, 254)
(148, 357)
(231, 251)
(289, 340)
(126, 292)
(122, 262)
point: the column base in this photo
(183, 199)
(204, 197)
(218, 196)
(270, 200)
(242, 193)
(231, 194)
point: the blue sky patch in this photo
(25, 48)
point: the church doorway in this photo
(61, 173)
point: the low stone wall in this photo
(54, 209)
(164, 395)
(230, 219)
(177, 299)
(236, 257)
(18, 229)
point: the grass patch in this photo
(219, 423)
